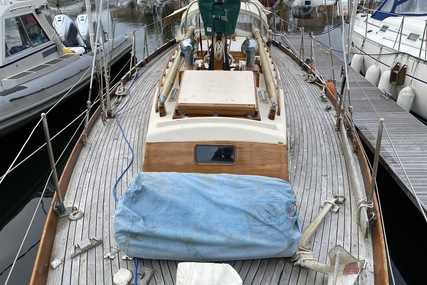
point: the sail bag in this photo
(207, 217)
(219, 16)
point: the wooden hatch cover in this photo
(217, 93)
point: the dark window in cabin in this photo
(23, 32)
(384, 28)
(215, 154)
(413, 37)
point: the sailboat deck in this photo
(317, 170)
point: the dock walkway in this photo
(404, 141)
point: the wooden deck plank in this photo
(313, 146)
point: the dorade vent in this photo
(217, 93)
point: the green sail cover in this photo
(219, 16)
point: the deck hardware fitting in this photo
(75, 214)
(112, 254)
(55, 263)
(121, 90)
(263, 96)
(125, 257)
(174, 94)
(146, 274)
(344, 268)
(85, 245)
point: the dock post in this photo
(376, 160)
(59, 208)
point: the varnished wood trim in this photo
(251, 158)
(378, 239)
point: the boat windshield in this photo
(391, 8)
(245, 24)
(23, 32)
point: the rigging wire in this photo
(38, 123)
(40, 200)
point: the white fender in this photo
(406, 97)
(357, 63)
(373, 74)
(384, 84)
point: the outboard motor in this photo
(67, 31)
(250, 48)
(82, 23)
(188, 49)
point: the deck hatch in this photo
(214, 93)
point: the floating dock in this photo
(404, 141)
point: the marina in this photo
(390, 50)
(405, 136)
(208, 123)
(256, 269)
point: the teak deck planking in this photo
(317, 170)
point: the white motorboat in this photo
(32, 51)
(390, 50)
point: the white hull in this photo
(382, 49)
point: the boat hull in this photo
(24, 103)
(379, 52)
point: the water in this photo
(406, 230)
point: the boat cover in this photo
(207, 217)
(219, 16)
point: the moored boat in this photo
(232, 153)
(390, 50)
(32, 50)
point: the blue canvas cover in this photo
(207, 217)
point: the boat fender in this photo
(357, 63)
(373, 74)
(384, 84)
(406, 97)
(67, 50)
(76, 50)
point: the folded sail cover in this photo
(219, 16)
(207, 217)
